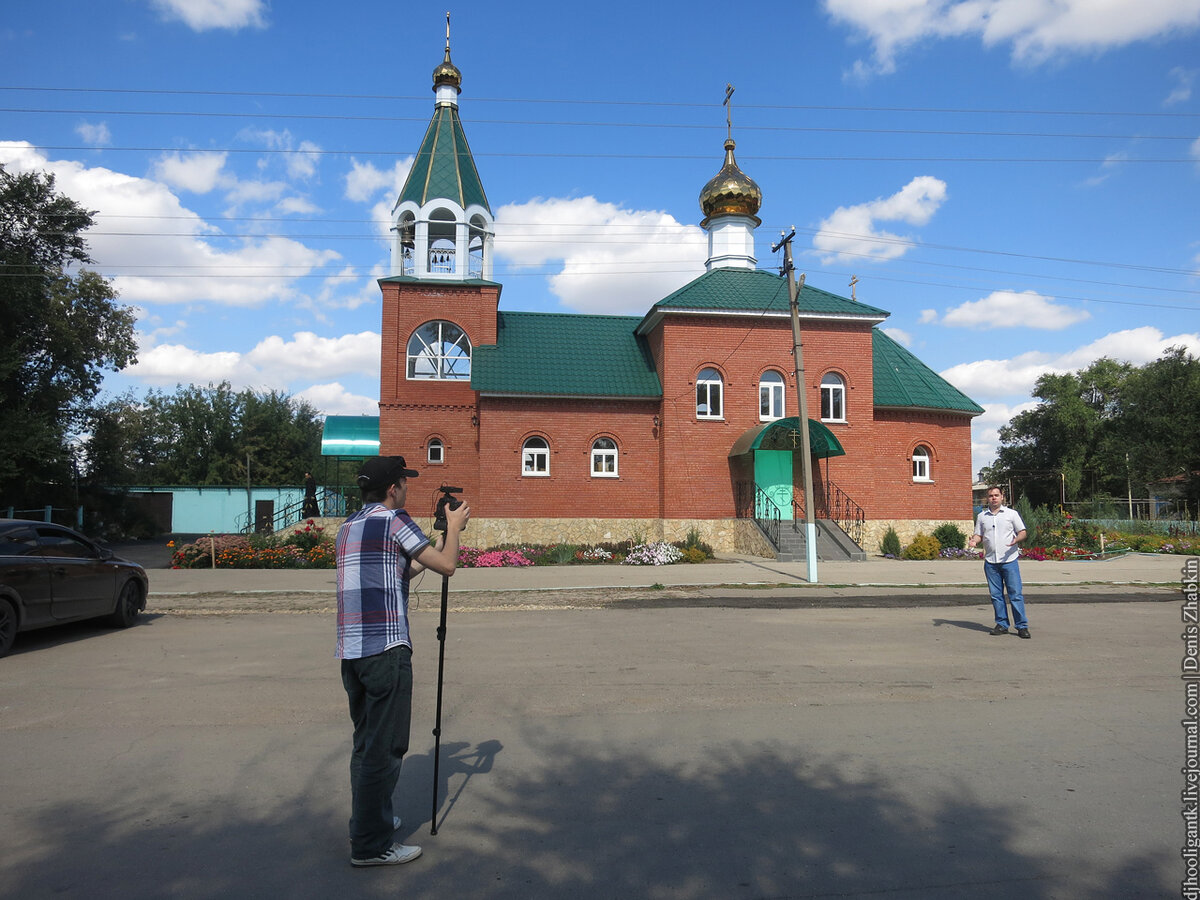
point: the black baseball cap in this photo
(380, 472)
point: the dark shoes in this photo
(1021, 632)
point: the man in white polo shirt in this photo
(1001, 530)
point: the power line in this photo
(608, 102)
(992, 160)
(556, 123)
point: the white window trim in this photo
(922, 454)
(435, 355)
(532, 454)
(440, 445)
(778, 391)
(719, 384)
(603, 454)
(833, 389)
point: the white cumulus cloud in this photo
(96, 134)
(1012, 309)
(850, 233)
(607, 259)
(204, 15)
(1036, 30)
(164, 252)
(364, 181)
(1015, 377)
(335, 400)
(197, 173)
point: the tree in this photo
(62, 330)
(1100, 431)
(203, 436)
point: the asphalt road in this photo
(686, 753)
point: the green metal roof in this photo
(902, 380)
(755, 290)
(350, 436)
(444, 167)
(565, 354)
(784, 434)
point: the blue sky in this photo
(1016, 181)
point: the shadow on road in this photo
(751, 822)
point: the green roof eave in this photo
(734, 291)
(904, 382)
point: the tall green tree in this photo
(62, 329)
(204, 436)
(1106, 430)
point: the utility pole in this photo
(810, 528)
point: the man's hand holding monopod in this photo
(442, 556)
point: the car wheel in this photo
(129, 604)
(8, 626)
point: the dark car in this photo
(50, 575)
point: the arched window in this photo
(535, 457)
(440, 351)
(436, 451)
(709, 389)
(604, 458)
(770, 396)
(920, 464)
(833, 398)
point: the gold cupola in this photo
(447, 74)
(731, 192)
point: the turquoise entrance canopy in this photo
(350, 436)
(784, 434)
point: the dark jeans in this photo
(380, 692)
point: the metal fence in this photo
(71, 517)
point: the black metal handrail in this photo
(831, 502)
(755, 504)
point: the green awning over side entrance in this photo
(784, 434)
(350, 436)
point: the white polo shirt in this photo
(998, 530)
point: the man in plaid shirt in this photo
(379, 549)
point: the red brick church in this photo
(572, 427)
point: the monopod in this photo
(447, 499)
(437, 727)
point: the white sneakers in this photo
(395, 855)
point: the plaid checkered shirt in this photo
(374, 548)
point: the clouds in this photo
(1036, 30)
(1016, 375)
(850, 233)
(198, 173)
(1011, 309)
(609, 259)
(271, 362)
(166, 252)
(205, 15)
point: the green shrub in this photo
(950, 536)
(890, 545)
(561, 554)
(924, 546)
(694, 555)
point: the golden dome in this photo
(731, 192)
(447, 72)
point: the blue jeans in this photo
(380, 691)
(1001, 576)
